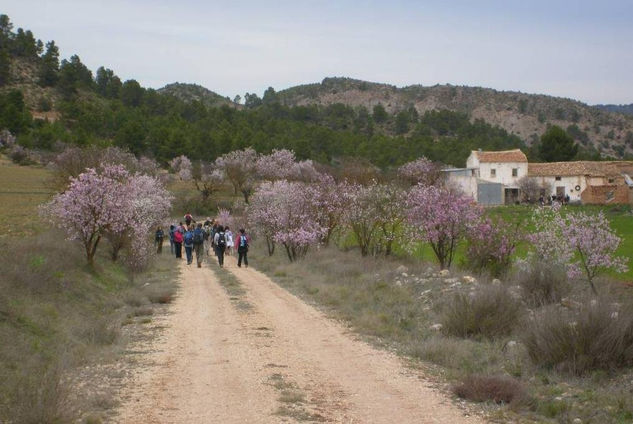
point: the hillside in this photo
(336, 118)
(626, 109)
(195, 92)
(526, 115)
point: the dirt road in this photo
(265, 356)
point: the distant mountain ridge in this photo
(626, 109)
(526, 115)
(195, 92)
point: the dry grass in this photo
(495, 388)
(59, 314)
(597, 336)
(489, 312)
(542, 284)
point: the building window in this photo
(557, 178)
(611, 180)
(493, 173)
(515, 172)
(472, 172)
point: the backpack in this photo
(177, 236)
(221, 241)
(198, 236)
(243, 242)
(189, 238)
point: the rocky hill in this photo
(195, 92)
(526, 115)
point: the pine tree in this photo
(557, 146)
(49, 67)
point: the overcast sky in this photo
(578, 49)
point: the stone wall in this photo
(606, 194)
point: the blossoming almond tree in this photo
(207, 177)
(283, 211)
(330, 200)
(181, 166)
(362, 216)
(261, 215)
(595, 244)
(442, 218)
(239, 168)
(491, 244)
(111, 203)
(419, 171)
(93, 204)
(389, 201)
(582, 243)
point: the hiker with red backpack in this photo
(178, 239)
(220, 245)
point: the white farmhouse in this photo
(491, 178)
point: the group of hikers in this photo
(202, 238)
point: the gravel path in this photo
(265, 356)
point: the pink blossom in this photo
(491, 244)
(583, 243)
(282, 212)
(111, 203)
(419, 171)
(181, 166)
(442, 218)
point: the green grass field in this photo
(22, 190)
(620, 217)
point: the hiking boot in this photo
(199, 265)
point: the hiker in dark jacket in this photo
(172, 246)
(220, 244)
(242, 248)
(198, 243)
(158, 239)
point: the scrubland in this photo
(531, 348)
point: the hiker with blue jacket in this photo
(219, 240)
(198, 243)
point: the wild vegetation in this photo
(58, 317)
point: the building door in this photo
(560, 192)
(511, 196)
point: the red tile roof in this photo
(515, 155)
(592, 168)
